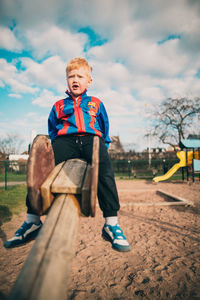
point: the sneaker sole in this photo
(119, 248)
(18, 243)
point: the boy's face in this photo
(78, 81)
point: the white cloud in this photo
(8, 40)
(46, 99)
(104, 16)
(1, 83)
(118, 104)
(181, 87)
(160, 60)
(11, 76)
(130, 69)
(110, 75)
(19, 87)
(153, 20)
(142, 55)
(14, 95)
(151, 94)
(6, 70)
(56, 41)
(48, 74)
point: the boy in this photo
(72, 124)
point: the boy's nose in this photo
(75, 78)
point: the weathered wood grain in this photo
(86, 193)
(94, 175)
(40, 164)
(70, 178)
(47, 196)
(47, 268)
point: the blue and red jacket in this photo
(84, 115)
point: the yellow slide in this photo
(182, 163)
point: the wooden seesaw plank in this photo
(174, 197)
(86, 191)
(178, 201)
(70, 178)
(136, 204)
(45, 272)
(47, 196)
(94, 175)
(40, 164)
(90, 184)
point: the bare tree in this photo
(174, 118)
(10, 144)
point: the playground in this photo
(164, 260)
(159, 217)
(189, 161)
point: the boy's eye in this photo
(73, 76)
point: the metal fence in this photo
(12, 171)
(143, 168)
(15, 171)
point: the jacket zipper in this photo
(78, 108)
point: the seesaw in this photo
(66, 192)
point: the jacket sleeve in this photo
(52, 122)
(104, 124)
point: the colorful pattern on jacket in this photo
(82, 116)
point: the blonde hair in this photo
(77, 63)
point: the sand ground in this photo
(164, 262)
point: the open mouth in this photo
(75, 86)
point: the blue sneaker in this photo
(26, 232)
(115, 235)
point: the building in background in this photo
(115, 147)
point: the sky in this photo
(141, 52)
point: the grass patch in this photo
(13, 177)
(12, 201)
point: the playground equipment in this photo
(188, 158)
(182, 163)
(66, 192)
(192, 160)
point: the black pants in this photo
(68, 147)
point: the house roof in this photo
(190, 143)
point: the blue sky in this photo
(141, 51)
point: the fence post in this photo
(129, 169)
(5, 165)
